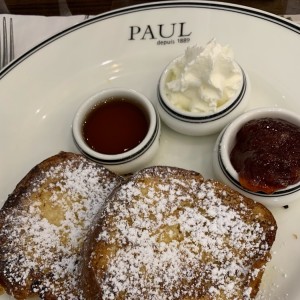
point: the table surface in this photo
(93, 7)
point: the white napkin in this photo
(31, 30)
(294, 18)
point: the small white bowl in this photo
(133, 159)
(225, 172)
(201, 124)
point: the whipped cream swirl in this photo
(204, 78)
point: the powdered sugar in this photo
(42, 236)
(178, 240)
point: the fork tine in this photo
(11, 41)
(0, 52)
(5, 46)
(7, 52)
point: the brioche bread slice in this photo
(44, 222)
(167, 234)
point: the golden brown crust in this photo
(255, 211)
(148, 176)
(43, 225)
(167, 235)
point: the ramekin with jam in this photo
(259, 155)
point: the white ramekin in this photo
(224, 171)
(200, 124)
(133, 159)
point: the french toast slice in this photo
(168, 234)
(44, 222)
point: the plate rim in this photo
(200, 4)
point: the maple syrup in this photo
(115, 126)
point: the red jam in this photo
(267, 155)
(115, 126)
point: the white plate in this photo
(40, 92)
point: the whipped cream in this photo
(204, 78)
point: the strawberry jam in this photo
(267, 155)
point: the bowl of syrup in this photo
(118, 128)
(258, 155)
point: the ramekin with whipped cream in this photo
(200, 92)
